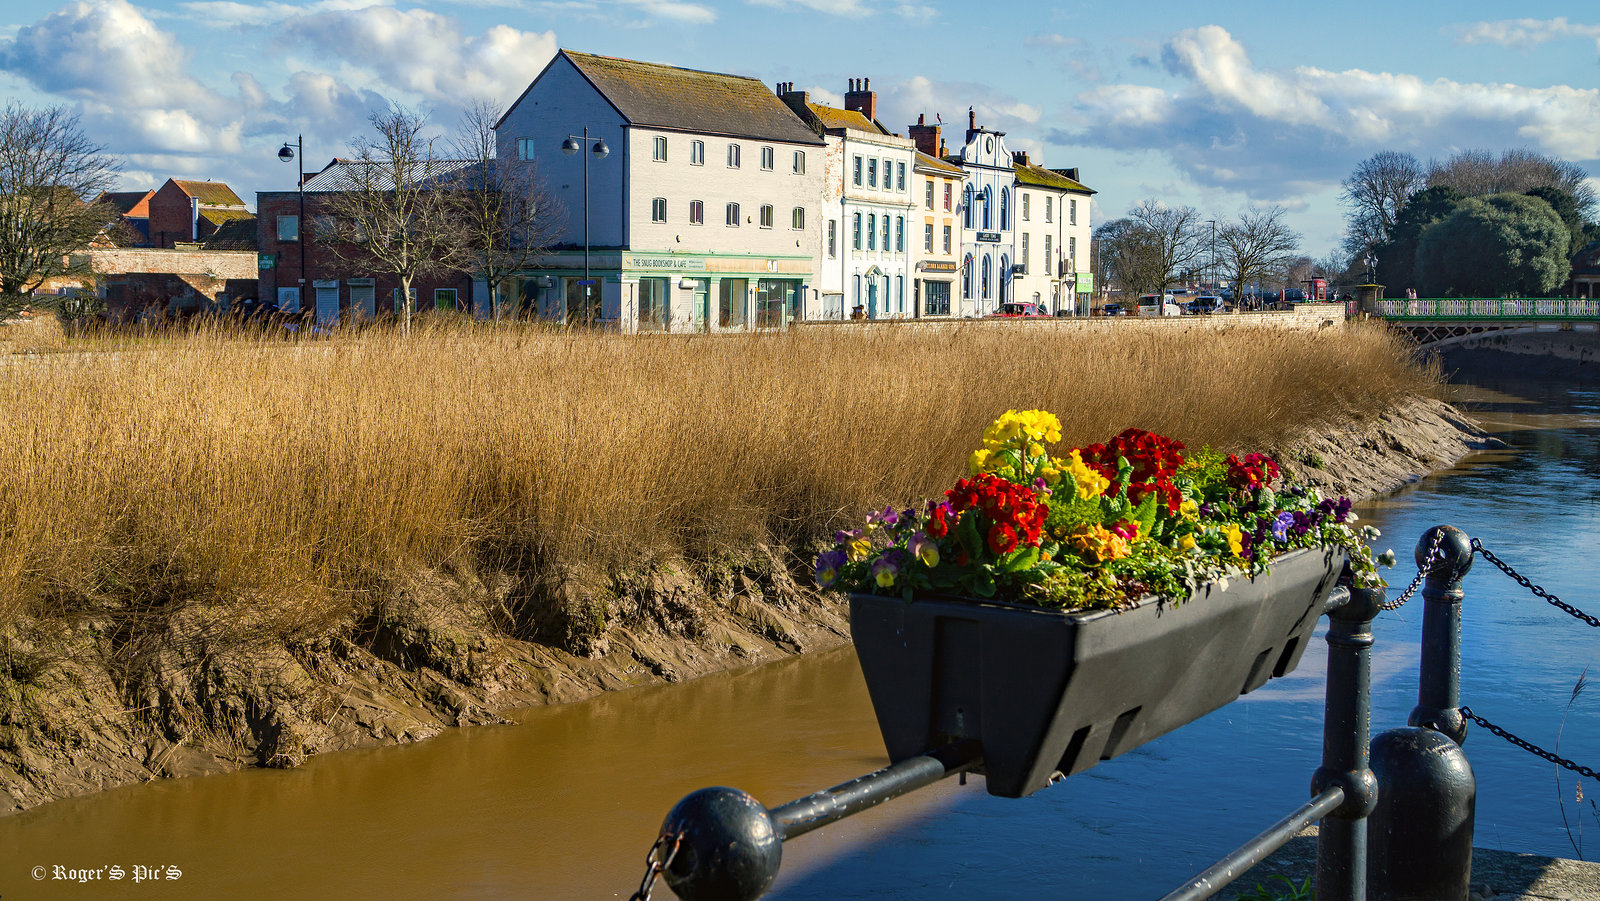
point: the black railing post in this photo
(1439, 680)
(1346, 725)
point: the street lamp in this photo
(1372, 267)
(297, 152)
(1211, 264)
(571, 145)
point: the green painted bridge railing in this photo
(1458, 308)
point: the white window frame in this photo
(799, 162)
(766, 215)
(857, 179)
(1024, 253)
(899, 176)
(1049, 211)
(733, 156)
(899, 234)
(1072, 211)
(872, 172)
(797, 219)
(872, 231)
(768, 158)
(927, 237)
(1025, 198)
(733, 215)
(658, 148)
(833, 239)
(658, 209)
(697, 212)
(855, 241)
(927, 198)
(947, 235)
(697, 153)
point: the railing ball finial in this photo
(1453, 553)
(729, 848)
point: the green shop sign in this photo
(265, 260)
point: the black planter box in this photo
(1049, 693)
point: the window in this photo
(1005, 209)
(833, 239)
(1024, 251)
(988, 207)
(697, 153)
(857, 179)
(1049, 261)
(900, 234)
(1005, 278)
(947, 192)
(855, 243)
(872, 231)
(797, 219)
(938, 299)
(659, 154)
(766, 215)
(524, 148)
(288, 228)
(733, 215)
(927, 195)
(988, 274)
(444, 298)
(799, 162)
(900, 176)
(767, 156)
(653, 314)
(1047, 210)
(730, 303)
(1025, 198)
(1072, 250)
(888, 182)
(886, 233)
(966, 276)
(658, 209)
(872, 172)
(1072, 212)
(927, 237)
(733, 156)
(697, 212)
(947, 239)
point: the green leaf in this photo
(1145, 514)
(1020, 559)
(967, 534)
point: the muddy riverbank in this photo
(434, 656)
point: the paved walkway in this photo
(1501, 875)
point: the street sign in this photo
(585, 281)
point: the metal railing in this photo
(1458, 308)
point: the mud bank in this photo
(82, 709)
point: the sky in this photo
(1217, 106)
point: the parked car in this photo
(1019, 310)
(1204, 305)
(1159, 305)
(1113, 309)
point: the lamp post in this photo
(297, 152)
(1211, 264)
(1371, 260)
(571, 145)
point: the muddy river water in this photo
(564, 804)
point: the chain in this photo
(1422, 573)
(1554, 601)
(1529, 746)
(653, 866)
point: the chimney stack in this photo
(862, 99)
(795, 100)
(926, 136)
(1020, 157)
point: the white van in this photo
(1162, 305)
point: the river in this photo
(565, 804)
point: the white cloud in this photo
(689, 13)
(424, 53)
(848, 8)
(1051, 40)
(1275, 134)
(229, 14)
(1524, 34)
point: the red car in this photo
(1020, 310)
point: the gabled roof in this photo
(211, 193)
(126, 202)
(1039, 176)
(343, 175)
(235, 234)
(831, 117)
(219, 217)
(926, 162)
(658, 96)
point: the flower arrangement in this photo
(1100, 527)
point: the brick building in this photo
(191, 211)
(334, 287)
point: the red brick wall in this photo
(322, 264)
(170, 216)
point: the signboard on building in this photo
(685, 264)
(1086, 283)
(937, 265)
(265, 260)
(988, 237)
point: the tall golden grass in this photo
(290, 480)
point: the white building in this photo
(703, 214)
(938, 192)
(874, 238)
(988, 215)
(1052, 231)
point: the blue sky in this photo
(1243, 103)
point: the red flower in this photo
(1254, 471)
(1002, 538)
(937, 525)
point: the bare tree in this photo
(1377, 189)
(1174, 237)
(1127, 256)
(1479, 173)
(48, 171)
(508, 216)
(392, 207)
(1257, 245)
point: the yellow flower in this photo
(1186, 542)
(858, 549)
(1234, 547)
(1188, 509)
(1091, 484)
(1096, 545)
